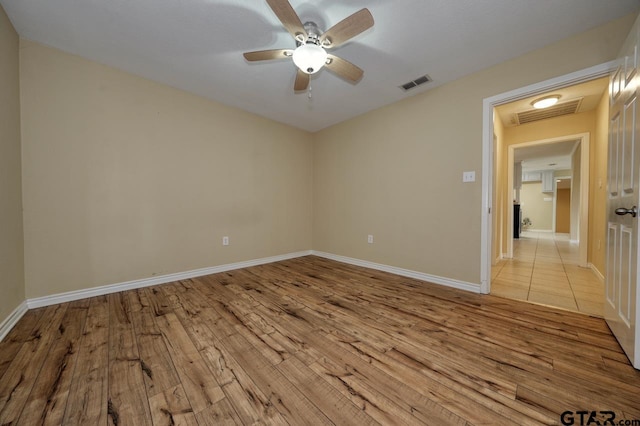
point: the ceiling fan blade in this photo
(289, 18)
(343, 68)
(347, 28)
(265, 55)
(302, 81)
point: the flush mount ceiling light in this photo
(545, 102)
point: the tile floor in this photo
(545, 270)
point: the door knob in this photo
(633, 211)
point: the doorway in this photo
(551, 261)
(576, 148)
(489, 204)
(543, 264)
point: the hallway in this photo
(545, 270)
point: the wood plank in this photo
(155, 361)
(332, 404)
(250, 403)
(48, 397)
(219, 414)
(200, 387)
(365, 395)
(19, 334)
(89, 390)
(200, 320)
(171, 407)
(291, 404)
(365, 382)
(23, 371)
(128, 402)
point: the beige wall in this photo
(125, 178)
(598, 185)
(396, 172)
(534, 206)
(11, 237)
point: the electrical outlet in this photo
(468, 176)
(370, 239)
(225, 241)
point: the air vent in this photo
(417, 82)
(559, 109)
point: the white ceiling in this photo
(197, 45)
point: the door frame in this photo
(583, 230)
(488, 104)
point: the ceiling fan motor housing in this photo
(313, 32)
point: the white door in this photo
(621, 295)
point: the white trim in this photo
(597, 272)
(486, 231)
(9, 322)
(461, 285)
(488, 104)
(162, 279)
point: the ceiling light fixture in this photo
(545, 102)
(309, 58)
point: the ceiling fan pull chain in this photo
(309, 95)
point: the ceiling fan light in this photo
(309, 58)
(545, 102)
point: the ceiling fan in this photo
(311, 55)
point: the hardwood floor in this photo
(309, 341)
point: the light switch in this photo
(468, 176)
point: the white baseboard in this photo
(461, 285)
(146, 282)
(10, 321)
(597, 272)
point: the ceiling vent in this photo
(415, 83)
(559, 109)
